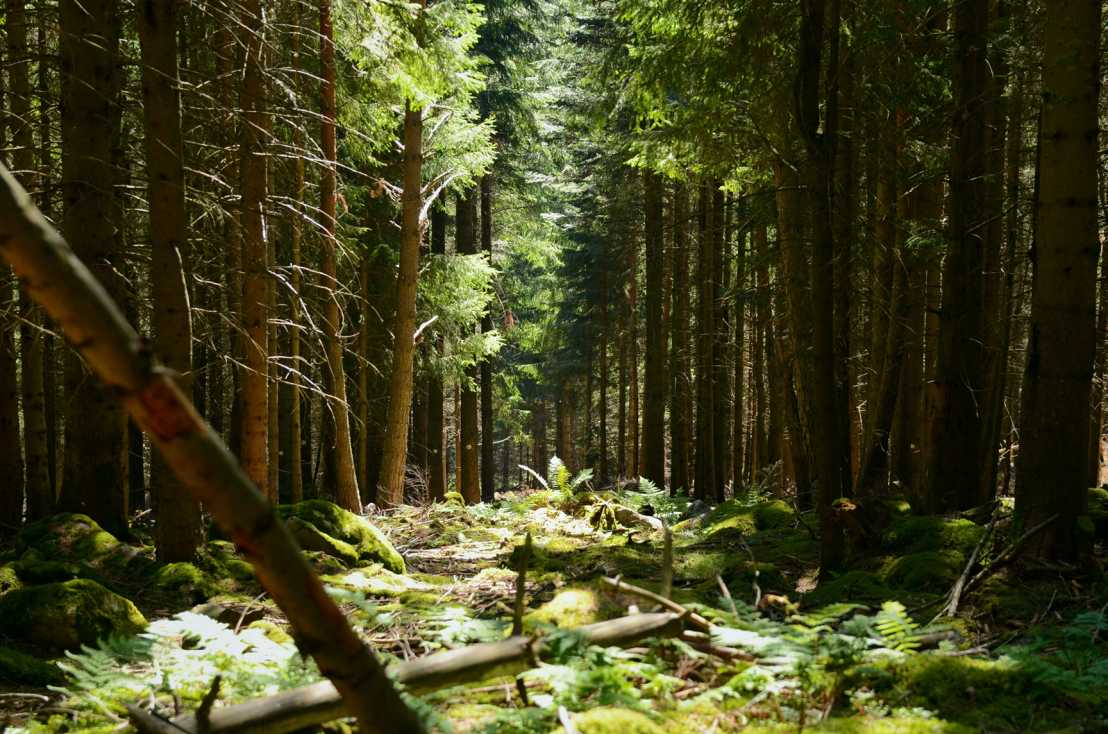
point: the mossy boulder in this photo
(856, 585)
(312, 538)
(48, 572)
(915, 534)
(773, 515)
(610, 720)
(572, 607)
(185, 579)
(376, 580)
(68, 535)
(353, 532)
(68, 614)
(19, 667)
(933, 571)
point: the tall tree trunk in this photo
(253, 178)
(738, 420)
(39, 492)
(605, 337)
(705, 479)
(391, 484)
(680, 406)
(436, 450)
(954, 433)
(95, 480)
(654, 403)
(46, 204)
(634, 458)
(296, 240)
(346, 480)
(468, 460)
(721, 376)
(488, 465)
(1051, 469)
(179, 528)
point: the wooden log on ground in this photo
(320, 702)
(59, 282)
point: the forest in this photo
(553, 366)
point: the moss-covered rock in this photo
(68, 614)
(773, 515)
(933, 571)
(19, 667)
(368, 543)
(610, 720)
(9, 579)
(572, 607)
(271, 630)
(915, 534)
(312, 538)
(68, 535)
(185, 579)
(48, 572)
(851, 586)
(376, 580)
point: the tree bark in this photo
(253, 179)
(395, 451)
(469, 459)
(654, 403)
(680, 406)
(705, 479)
(488, 461)
(179, 528)
(1051, 468)
(436, 453)
(954, 433)
(95, 480)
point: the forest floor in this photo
(785, 653)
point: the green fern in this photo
(896, 628)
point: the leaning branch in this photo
(58, 281)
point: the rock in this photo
(311, 538)
(915, 534)
(230, 616)
(67, 615)
(696, 508)
(933, 571)
(184, 579)
(78, 539)
(19, 667)
(569, 608)
(367, 542)
(47, 572)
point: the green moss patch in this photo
(573, 607)
(1098, 512)
(913, 534)
(66, 615)
(377, 580)
(773, 515)
(19, 667)
(9, 579)
(609, 720)
(933, 571)
(363, 539)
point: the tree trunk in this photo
(296, 239)
(488, 462)
(954, 433)
(95, 480)
(391, 487)
(436, 450)
(253, 175)
(1051, 469)
(654, 402)
(721, 375)
(179, 528)
(705, 479)
(680, 406)
(466, 244)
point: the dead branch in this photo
(319, 703)
(694, 619)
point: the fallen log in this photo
(692, 617)
(58, 281)
(319, 703)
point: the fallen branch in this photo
(954, 598)
(1008, 555)
(319, 703)
(59, 282)
(693, 618)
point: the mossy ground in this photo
(454, 585)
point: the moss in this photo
(368, 542)
(68, 535)
(571, 608)
(730, 514)
(773, 515)
(454, 498)
(852, 586)
(220, 559)
(871, 725)
(933, 571)
(312, 538)
(66, 615)
(377, 581)
(185, 579)
(610, 720)
(918, 534)
(47, 572)
(272, 631)
(9, 580)
(18, 667)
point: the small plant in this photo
(896, 628)
(558, 478)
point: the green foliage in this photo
(896, 628)
(1072, 659)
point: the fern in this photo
(896, 628)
